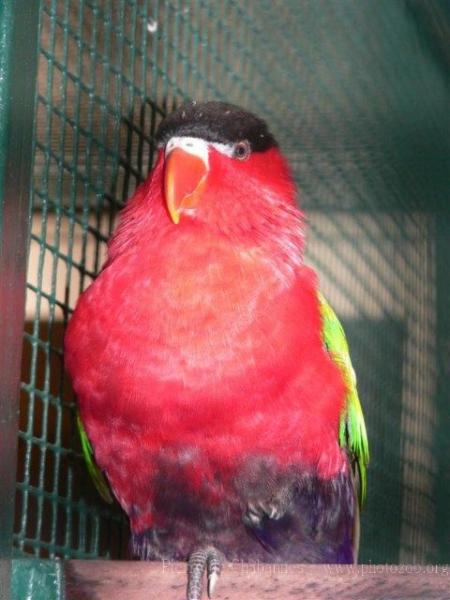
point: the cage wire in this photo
(357, 94)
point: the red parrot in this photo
(213, 380)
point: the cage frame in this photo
(19, 25)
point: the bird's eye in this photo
(242, 150)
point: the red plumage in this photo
(199, 344)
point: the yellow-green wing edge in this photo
(96, 474)
(352, 429)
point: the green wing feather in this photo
(352, 429)
(96, 474)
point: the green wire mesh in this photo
(357, 93)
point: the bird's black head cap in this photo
(216, 122)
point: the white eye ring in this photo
(242, 150)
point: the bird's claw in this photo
(257, 511)
(275, 508)
(208, 558)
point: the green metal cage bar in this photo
(18, 42)
(37, 580)
(357, 93)
(16, 103)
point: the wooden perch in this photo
(123, 580)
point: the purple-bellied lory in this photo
(213, 380)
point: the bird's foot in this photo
(273, 508)
(208, 558)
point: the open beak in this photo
(184, 181)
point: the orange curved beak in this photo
(184, 180)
